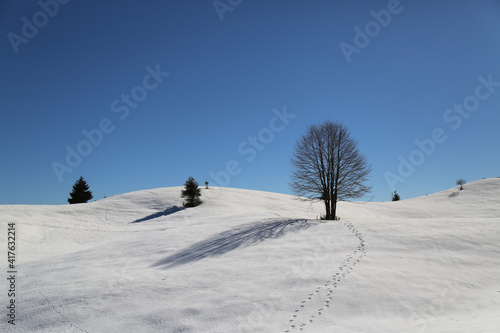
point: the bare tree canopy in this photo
(328, 166)
(461, 182)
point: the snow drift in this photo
(252, 261)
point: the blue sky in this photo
(165, 90)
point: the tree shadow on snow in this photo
(232, 239)
(166, 212)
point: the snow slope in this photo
(251, 261)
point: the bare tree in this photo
(328, 166)
(461, 182)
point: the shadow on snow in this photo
(227, 241)
(166, 212)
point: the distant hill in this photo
(253, 261)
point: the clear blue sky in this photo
(101, 67)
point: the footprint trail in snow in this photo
(319, 302)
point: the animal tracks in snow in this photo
(317, 303)
(62, 316)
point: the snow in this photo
(252, 261)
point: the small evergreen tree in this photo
(191, 192)
(80, 192)
(461, 182)
(395, 196)
(206, 185)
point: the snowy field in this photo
(251, 261)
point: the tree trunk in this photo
(333, 210)
(328, 213)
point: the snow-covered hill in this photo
(252, 261)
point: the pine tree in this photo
(395, 196)
(80, 193)
(191, 192)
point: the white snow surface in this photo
(252, 261)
